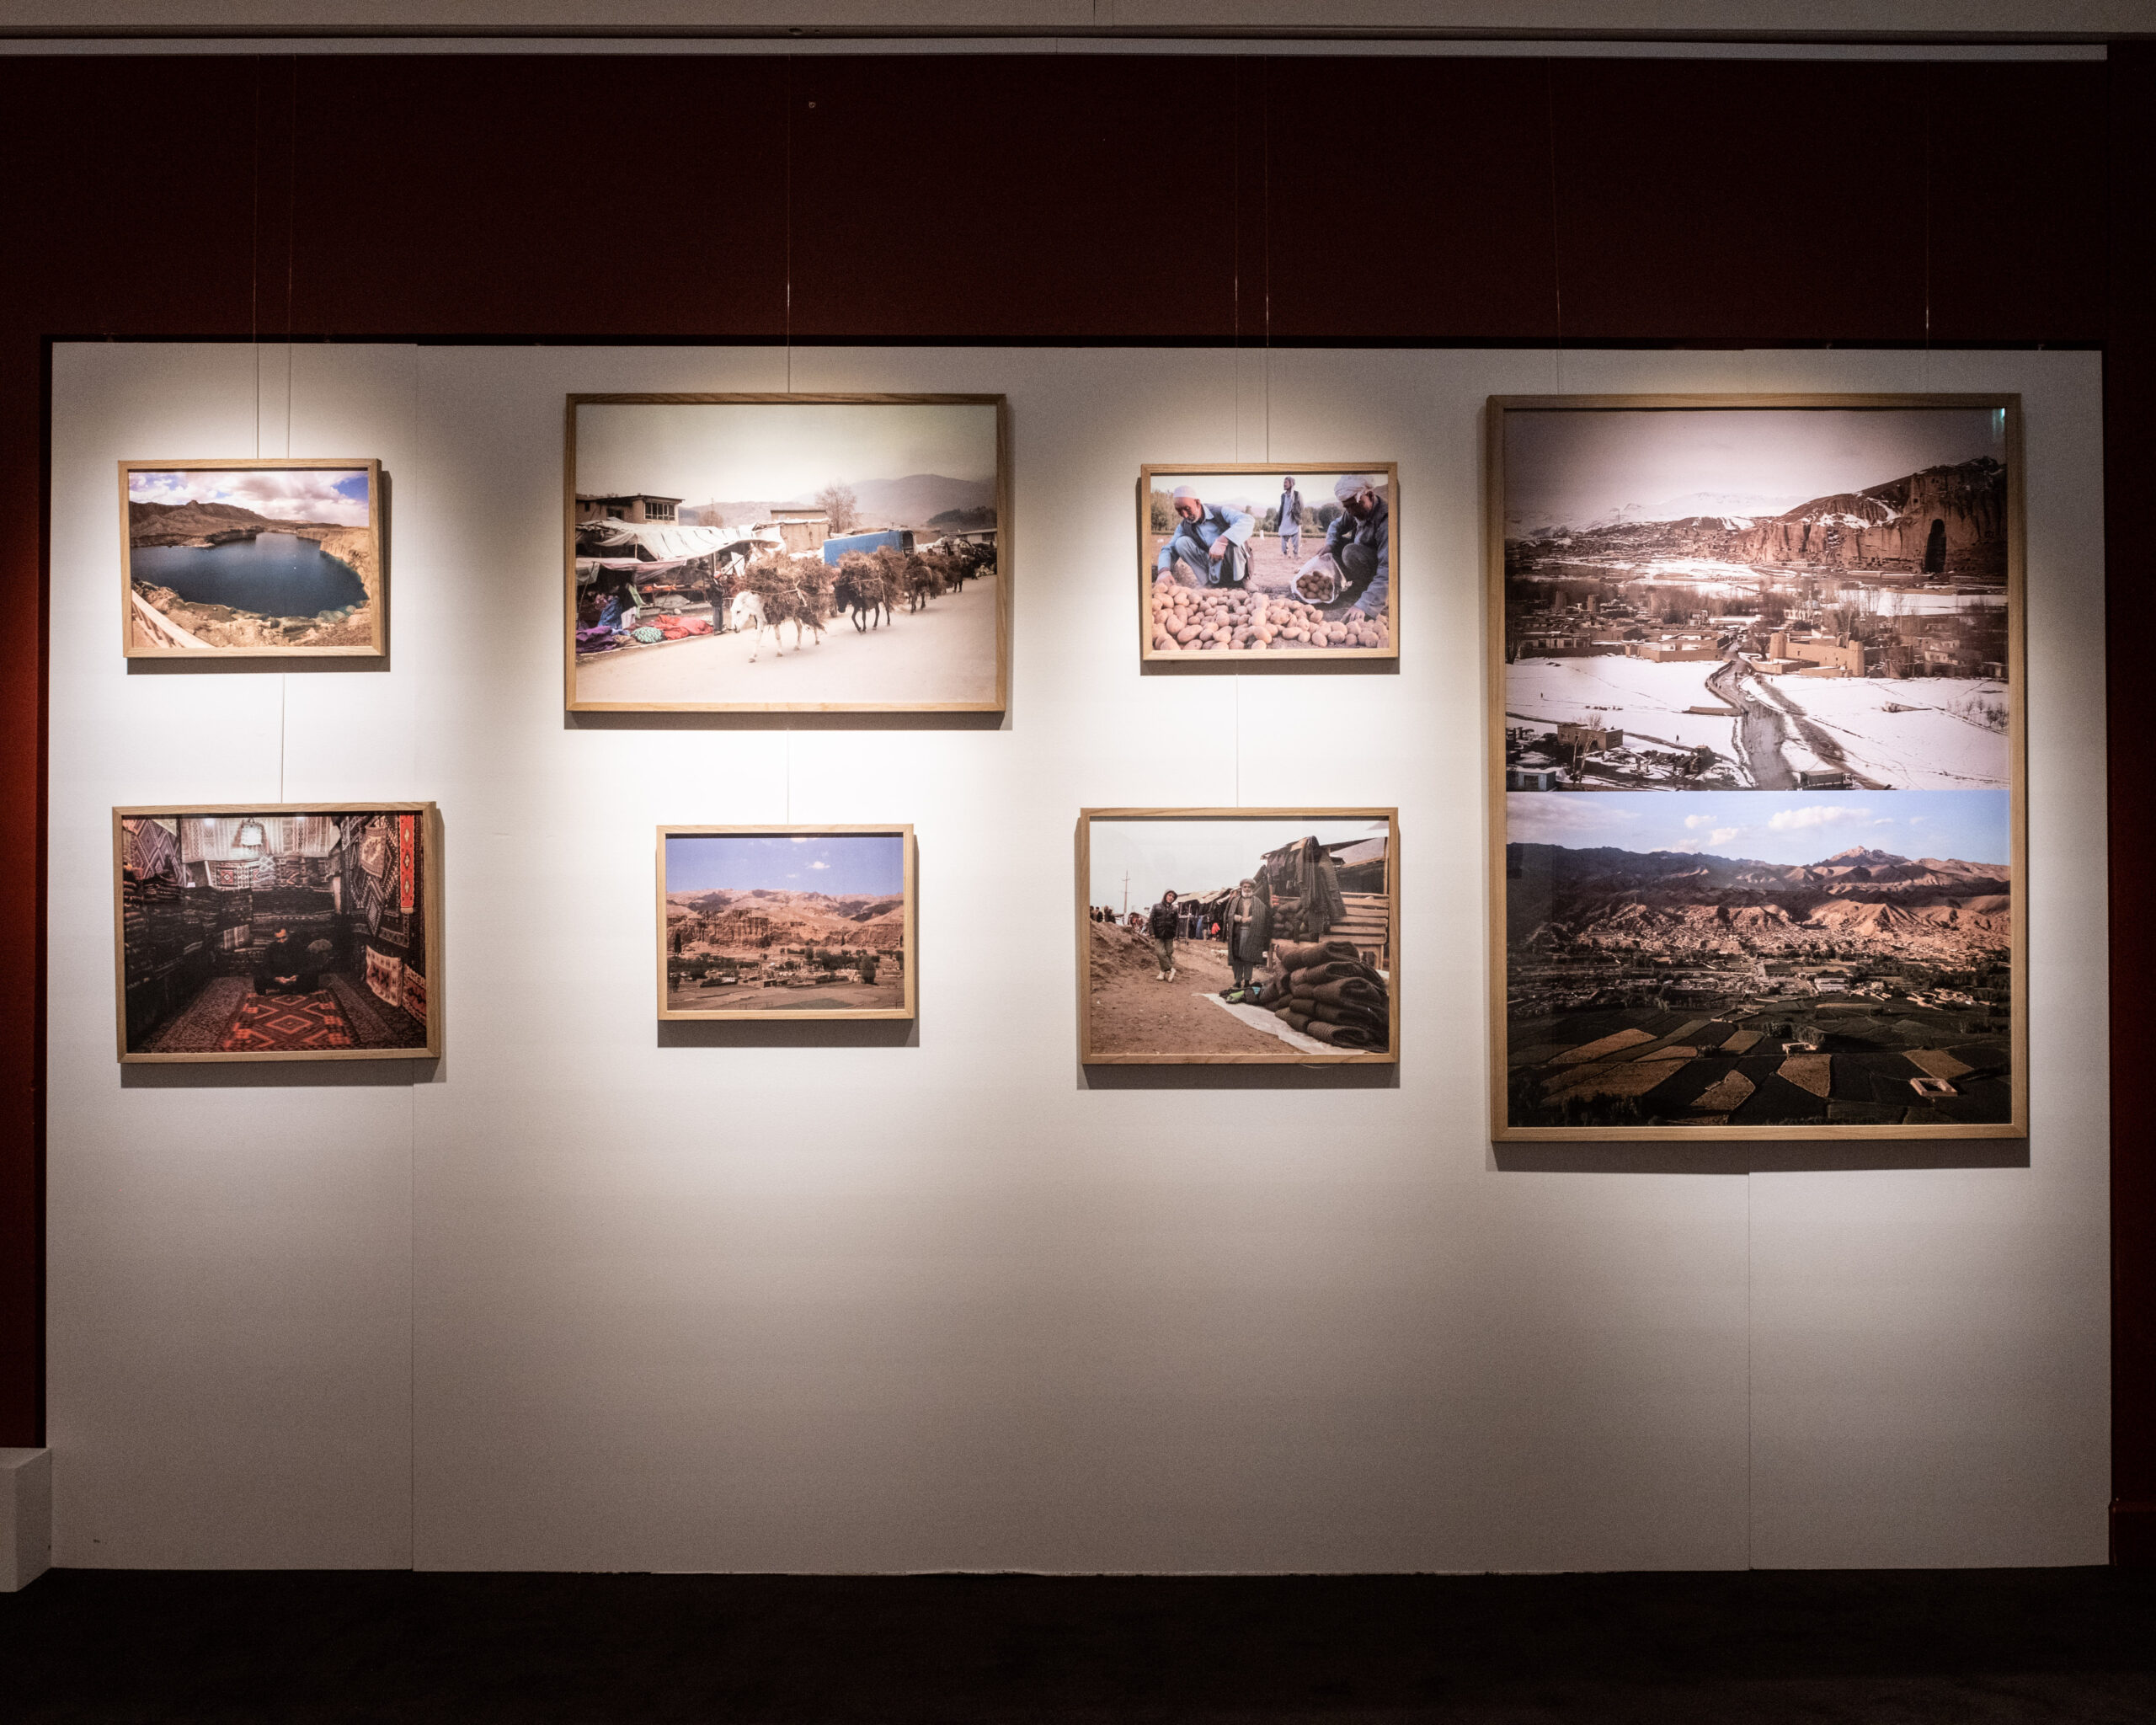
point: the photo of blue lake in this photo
(272, 574)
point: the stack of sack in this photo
(1325, 990)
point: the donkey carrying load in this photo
(783, 589)
(863, 590)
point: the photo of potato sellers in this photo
(1224, 936)
(1284, 561)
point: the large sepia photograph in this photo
(1769, 598)
(786, 922)
(786, 552)
(1282, 561)
(1756, 767)
(1226, 936)
(278, 557)
(278, 932)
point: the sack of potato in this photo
(1205, 620)
(1318, 580)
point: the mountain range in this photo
(820, 914)
(195, 523)
(1952, 516)
(1938, 908)
(908, 502)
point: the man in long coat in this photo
(1250, 930)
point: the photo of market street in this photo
(773, 554)
(785, 923)
(1266, 938)
(1774, 600)
(1772, 960)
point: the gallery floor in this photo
(1910, 1645)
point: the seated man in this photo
(281, 967)
(1210, 546)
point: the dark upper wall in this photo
(1056, 198)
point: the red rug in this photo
(287, 1023)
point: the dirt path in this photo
(1821, 742)
(1134, 1014)
(886, 994)
(1759, 730)
(944, 653)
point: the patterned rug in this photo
(199, 1026)
(374, 1023)
(287, 1023)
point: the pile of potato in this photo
(1205, 621)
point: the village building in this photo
(639, 507)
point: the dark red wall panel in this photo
(1409, 199)
(554, 196)
(1745, 203)
(1027, 197)
(2019, 176)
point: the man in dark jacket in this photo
(280, 970)
(1161, 925)
(1250, 931)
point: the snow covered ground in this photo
(1941, 743)
(1646, 700)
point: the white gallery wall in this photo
(591, 1293)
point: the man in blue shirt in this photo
(1210, 545)
(1360, 542)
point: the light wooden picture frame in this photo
(762, 603)
(793, 946)
(262, 557)
(277, 931)
(1322, 957)
(1756, 766)
(1289, 604)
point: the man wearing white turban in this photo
(1359, 542)
(1210, 546)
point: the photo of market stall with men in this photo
(275, 934)
(773, 554)
(1230, 938)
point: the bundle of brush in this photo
(795, 589)
(1326, 990)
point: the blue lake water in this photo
(273, 575)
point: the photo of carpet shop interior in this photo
(302, 935)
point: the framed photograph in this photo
(786, 554)
(786, 922)
(1238, 937)
(1257, 563)
(278, 932)
(1756, 766)
(268, 558)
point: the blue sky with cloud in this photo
(843, 864)
(1770, 826)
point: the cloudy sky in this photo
(1569, 467)
(1768, 826)
(869, 864)
(1195, 855)
(283, 494)
(730, 451)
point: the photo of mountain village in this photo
(1656, 980)
(751, 927)
(786, 555)
(1717, 599)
